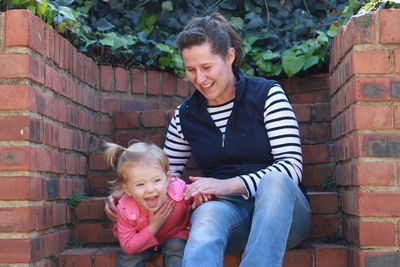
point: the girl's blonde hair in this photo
(123, 159)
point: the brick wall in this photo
(365, 92)
(56, 107)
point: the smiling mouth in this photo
(208, 85)
(152, 201)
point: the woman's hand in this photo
(158, 218)
(212, 186)
(110, 207)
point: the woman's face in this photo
(211, 74)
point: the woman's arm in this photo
(283, 133)
(176, 147)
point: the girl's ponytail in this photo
(111, 154)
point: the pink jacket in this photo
(131, 227)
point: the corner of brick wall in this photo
(365, 92)
(57, 106)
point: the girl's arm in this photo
(131, 239)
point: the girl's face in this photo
(211, 74)
(147, 184)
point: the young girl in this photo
(153, 211)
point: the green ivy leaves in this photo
(303, 56)
(281, 37)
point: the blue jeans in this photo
(278, 218)
(172, 250)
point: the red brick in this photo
(328, 255)
(106, 78)
(397, 61)
(324, 227)
(126, 120)
(168, 83)
(138, 78)
(110, 104)
(387, 33)
(97, 161)
(15, 158)
(298, 257)
(370, 233)
(365, 173)
(182, 87)
(94, 233)
(377, 234)
(106, 126)
(396, 116)
(17, 36)
(362, 63)
(302, 111)
(90, 209)
(121, 79)
(29, 188)
(20, 250)
(55, 242)
(153, 82)
(324, 202)
(60, 214)
(30, 31)
(14, 97)
(98, 183)
(316, 153)
(106, 257)
(153, 118)
(18, 128)
(383, 145)
(17, 219)
(315, 175)
(374, 204)
(21, 66)
(315, 133)
(358, 257)
(378, 118)
(77, 257)
(61, 48)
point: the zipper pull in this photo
(223, 140)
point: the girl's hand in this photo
(110, 207)
(200, 199)
(158, 218)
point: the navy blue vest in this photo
(244, 148)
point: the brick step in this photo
(92, 226)
(308, 254)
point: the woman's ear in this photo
(230, 56)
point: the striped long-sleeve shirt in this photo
(280, 124)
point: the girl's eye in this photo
(139, 185)
(157, 180)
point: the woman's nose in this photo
(200, 77)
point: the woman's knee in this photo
(276, 181)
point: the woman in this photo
(243, 135)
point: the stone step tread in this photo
(321, 203)
(308, 254)
(92, 226)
